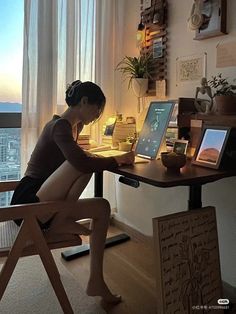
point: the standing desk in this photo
(155, 174)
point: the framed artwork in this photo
(157, 48)
(211, 146)
(187, 262)
(190, 68)
(147, 4)
(214, 19)
(180, 146)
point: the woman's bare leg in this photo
(61, 181)
(98, 209)
(67, 181)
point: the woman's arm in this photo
(62, 136)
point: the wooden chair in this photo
(29, 239)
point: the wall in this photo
(137, 207)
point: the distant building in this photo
(10, 162)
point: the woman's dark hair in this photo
(76, 90)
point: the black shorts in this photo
(25, 193)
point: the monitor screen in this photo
(154, 128)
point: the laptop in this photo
(152, 136)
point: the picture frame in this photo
(211, 146)
(157, 48)
(180, 146)
(214, 13)
(190, 68)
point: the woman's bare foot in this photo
(101, 289)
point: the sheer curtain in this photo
(66, 40)
(109, 44)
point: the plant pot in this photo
(140, 86)
(225, 105)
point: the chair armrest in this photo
(8, 185)
(23, 211)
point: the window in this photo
(11, 54)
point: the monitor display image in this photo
(110, 125)
(180, 146)
(211, 146)
(154, 128)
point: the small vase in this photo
(225, 105)
(140, 87)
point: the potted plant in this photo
(224, 94)
(137, 70)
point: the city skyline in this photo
(11, 52)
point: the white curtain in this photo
(66, 40)
(109, 44)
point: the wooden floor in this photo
(128, 270)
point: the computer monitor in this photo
(154, 128)
(110, 125)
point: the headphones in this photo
(196, 18)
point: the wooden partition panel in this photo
(187, 262)
(155, 21)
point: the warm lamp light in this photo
(140, 35)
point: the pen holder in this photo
(125, 146)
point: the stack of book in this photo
(83, 141)
(121, 131)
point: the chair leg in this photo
(12, 258)
(49, 265)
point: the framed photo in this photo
(211, 146)
(214, 19)
(180, 146)
(157, 48)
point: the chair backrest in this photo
(9, 230)
(29, 239)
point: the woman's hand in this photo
(125, 159)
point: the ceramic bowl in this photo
(173, 160)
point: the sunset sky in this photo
(11, 49)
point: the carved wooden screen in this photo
(155, 20)
(187, 262)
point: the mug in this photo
(125, 146)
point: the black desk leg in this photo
(84, 249)
(98, 184)
(195, 196)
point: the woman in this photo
(59, 170)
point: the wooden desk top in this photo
(154, 173)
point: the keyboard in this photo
(115, 152)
